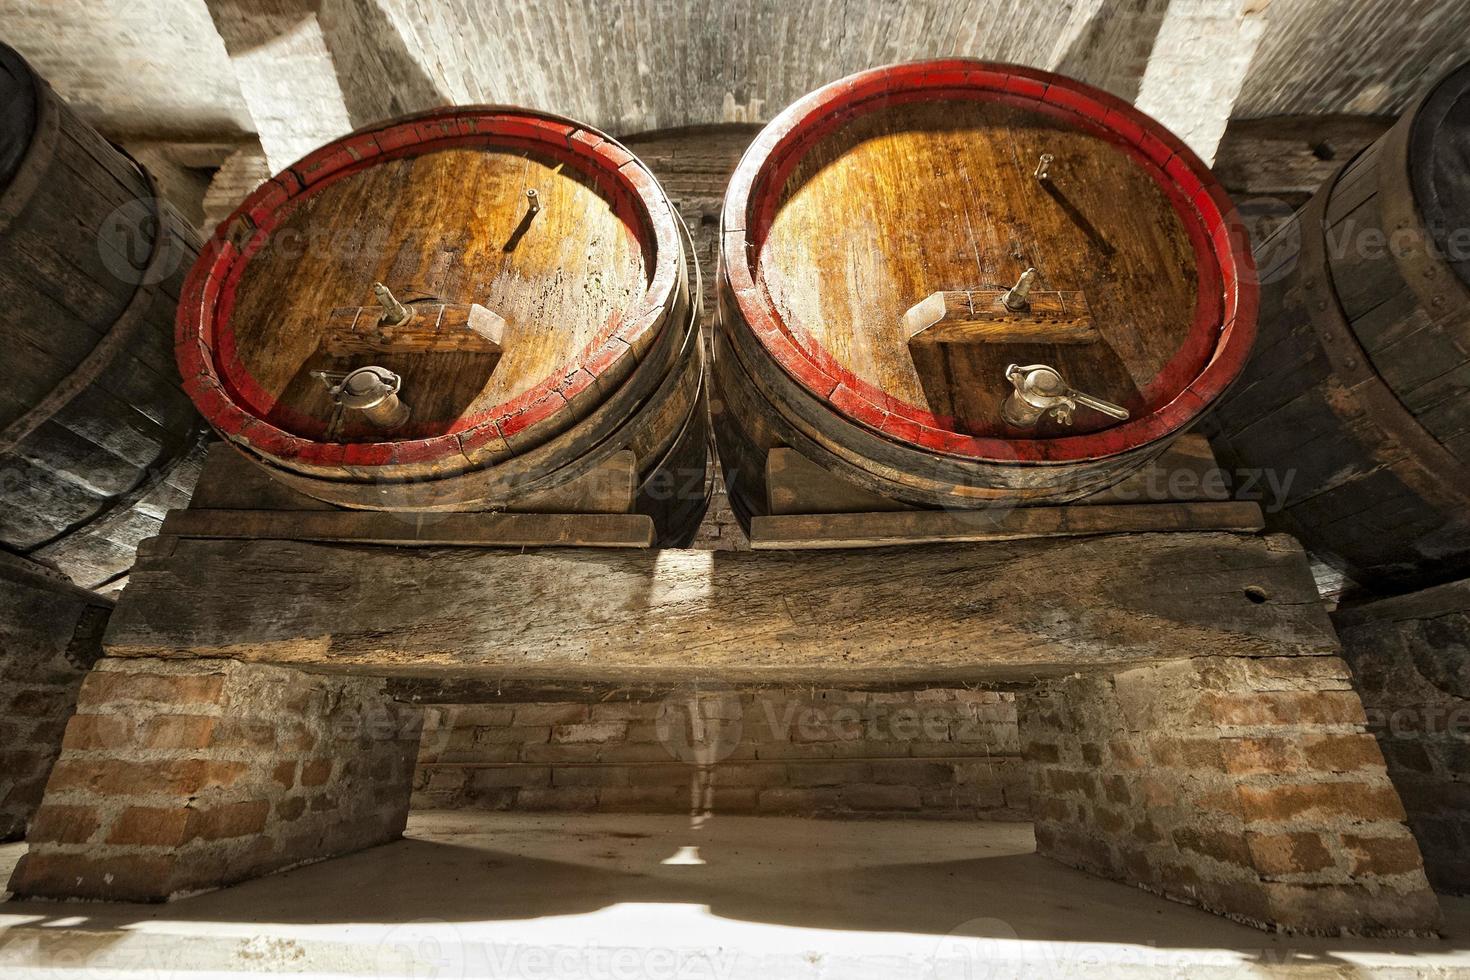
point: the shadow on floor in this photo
(915, 877)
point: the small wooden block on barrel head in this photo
(432, 329)
(971, 316)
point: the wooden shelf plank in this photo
(481, 530)
(886, 528)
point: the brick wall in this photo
(1248, 786)
(1411, 665)
(50, 635)
(932, 753)
(181, 776)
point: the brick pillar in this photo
(1247, 786)
(1410, 658)
(182, 776)
(50, 635)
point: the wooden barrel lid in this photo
(1439, 148)
(435, 207)
(879, 190)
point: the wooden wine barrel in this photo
(95, 433)
(1359, 391)
(870, 235)
(550, 321)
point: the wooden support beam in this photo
(980, 316)
(1008, 611)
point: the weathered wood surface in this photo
(1442, 602)
(484, 530)
(432, 328)
(230, 481)
(1360, 385)
(586, 296)
(914, 198)
(1185, 472)
(443, 225)
(944, 613)
(980, 316)
(92, 420)
(882, 529)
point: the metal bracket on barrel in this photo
(1020, 315)
(392, 327)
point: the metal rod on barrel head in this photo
(394, 312)
(1016, 298)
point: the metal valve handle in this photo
(1041, 390)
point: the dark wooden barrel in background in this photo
(96, 438)
(1359, 390)
(600, 350)
(879, 190)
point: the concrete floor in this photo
(633, 897)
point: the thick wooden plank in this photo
(796, 485)
(431, 329)
(980, 316)
(483, 530)
(1185, 472)
(1014, 610)
(230, 481)
(878, 530)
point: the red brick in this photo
(1286, 708)
(228, 820)
(150, 826)
(1361, 801)
(550, 714)
(1296, 673)
(284, 774)
(602, 731)
(118, 877)
(172, 777)
(1383, 855)
(316, 772)
(1343, 753)
(251, 733)
(1220, 845)
(1288, 853)
(1255, 756)
(1187, 753)
(290, 809)
(1064, 781)
(61, 824)
(97, 732)
(177, 731)
(107, 686)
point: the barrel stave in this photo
(92, 417)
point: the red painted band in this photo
(1222, 328)
(234, 403)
